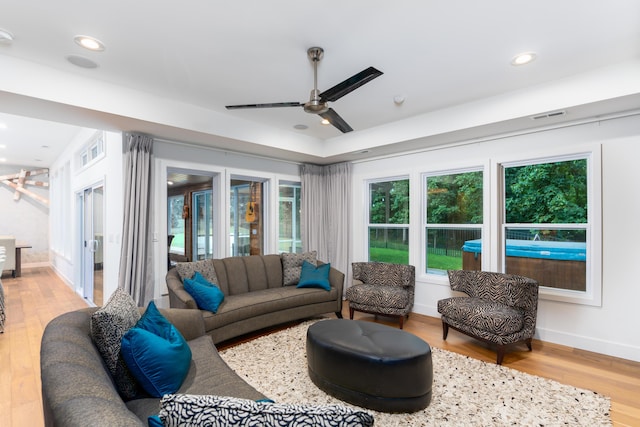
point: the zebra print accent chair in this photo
(382, 288)
(500, 308)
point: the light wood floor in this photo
(39, 296)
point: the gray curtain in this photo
(326, 212)
(135, 258)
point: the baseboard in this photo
(596, 345)
(582, 342)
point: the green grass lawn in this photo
(398, 256)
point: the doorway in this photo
(90, 202)
(246, 227)
(190, 216)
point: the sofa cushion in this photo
(365, 294)
(108, 326)
(207, 296)
(487, 316)
(241, 307)
(292, 265)
(193, 410)
(156, 353)
(315, 277)
(186, 270)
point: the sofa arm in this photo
(336, 280)
(178, 297)
(189, 322)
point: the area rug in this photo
(466, 391)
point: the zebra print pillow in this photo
(193, 410)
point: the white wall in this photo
(109, 171)
(610, 328)
(26, 218)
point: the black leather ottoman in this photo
(370, 365)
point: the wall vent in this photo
(549, 115)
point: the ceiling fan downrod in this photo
(315, 106)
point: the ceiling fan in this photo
(318, 102)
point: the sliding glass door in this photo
(202, 225)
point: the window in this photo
(247, 218)
(92, 150)
(289, 239)
(202, 224)
(388, 227)
(175, 212)
(453, 221)
(546, 222)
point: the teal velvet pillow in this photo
(155, 421)
(207, 295)
(156, 353)
(314, 277)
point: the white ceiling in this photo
(449, 60)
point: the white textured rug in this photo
(466, 392)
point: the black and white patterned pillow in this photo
(108, 326)
(193, 410)
(292, 265)
(186, 270)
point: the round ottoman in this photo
(370, 365)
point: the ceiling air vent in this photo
(549, 115)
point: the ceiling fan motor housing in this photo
(314, 105)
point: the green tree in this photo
(455, 199)
(389, 202)
(553, 193)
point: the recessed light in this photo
(325, 122)
(169, 182)
(2, 159)
(3, 146)
(523, 58)
(300, 127)
(3, 126)
(81, 61)
(89, 42)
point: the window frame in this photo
(367, 211)
(593, 294)
(424, 270)
(297, 185)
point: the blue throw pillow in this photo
(315, 277)
(155, 421)
(207, 296)
(198, 277)
(156, 353)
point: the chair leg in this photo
(528, 342)
(445, 330)
(339, 314)
(500, 354)
(401, 322)
(351, 310)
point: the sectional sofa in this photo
(260, 291)
(78, 390)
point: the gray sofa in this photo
(255, 295)
(78, 390)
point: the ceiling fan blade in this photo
(271, 105)
(351, 84)
(337, 121)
